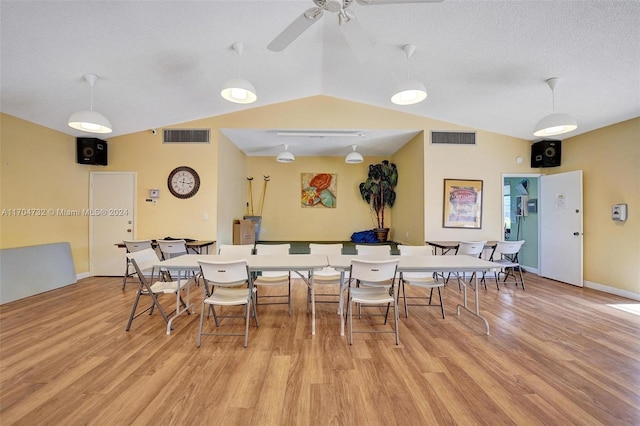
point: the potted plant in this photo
(379, 192)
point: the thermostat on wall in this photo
(154, 193)
(619, 212)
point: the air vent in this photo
(454, 138)
(186, 135)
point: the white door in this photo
(560, 215)
(111, 220)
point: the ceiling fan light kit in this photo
(285, 156)
(238, 90)
(353, 157)
(89, 120)
(556, 123)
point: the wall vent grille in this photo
(186, 135)
(453, 138)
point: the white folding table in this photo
(427, 264)
(286, 262)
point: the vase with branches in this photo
(378, 190)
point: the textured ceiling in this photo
(484, 63)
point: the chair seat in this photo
(267, 280)
(169, 286)
(319, 278)
(228, 296)
(371, 295)
(423, 282)
(506, 263)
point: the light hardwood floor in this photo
(556, 355)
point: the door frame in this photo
(91, 207)
(528, 176)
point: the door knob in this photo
(576, 233)
(129, 230)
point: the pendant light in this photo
(410, 91)
(285, 156)
(238, 90)
(353, 157)
(90, 121)
(555, 123)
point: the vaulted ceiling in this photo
(484, 63)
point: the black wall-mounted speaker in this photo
(91, 151)
(546, 153)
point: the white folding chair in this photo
(382, 273)
(419, 279)
(273, 278)
(144, 260)
(469, 248)
(172, 248)
(506, 254)
(327, 275)
(240, 251)
(373, 250)
(133, 246)
(227, 279)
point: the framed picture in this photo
(462, 204)
(319, 190)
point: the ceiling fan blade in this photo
(293, 31)
(375, 2)
(357, 38)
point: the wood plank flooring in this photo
(556, 355)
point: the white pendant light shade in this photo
(239, 91)
(90, 120)
(285, 156)
(556, 123)
(353, 157)
(409, 93)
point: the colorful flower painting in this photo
(319, 190)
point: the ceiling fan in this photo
(349, 24)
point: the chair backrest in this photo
(225, 273)
(381, 250)
(508, 248)
(315, 248)
(172, 248)
(471, 248)
(143, 260)
(327, 249)
(374, 271)
(273, 249)
(415, 250)
(241, 251)
(137, 245)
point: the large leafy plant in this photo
(379, 189)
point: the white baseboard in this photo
(612, 290)
(83, 275)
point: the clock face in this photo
(183, 182)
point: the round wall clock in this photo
(183, 182)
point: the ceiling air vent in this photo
(454, 138)
(186, 135)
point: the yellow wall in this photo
(610, 160)
(54, 180)
(40, 177)
(284, 218)
(408, 211)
